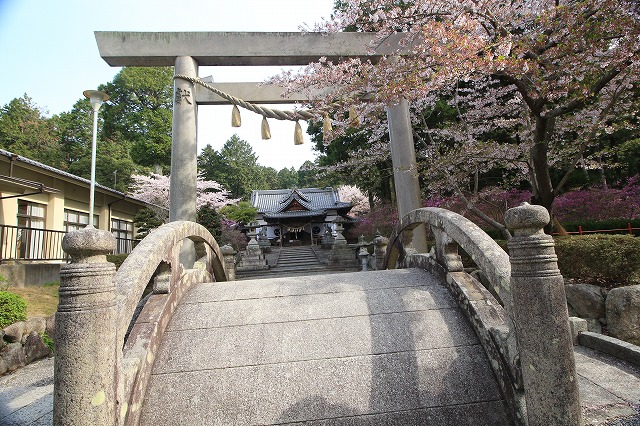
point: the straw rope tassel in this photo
(354, 119)
(266, 132)
(297, 134)
(235, 117)
(327, 130)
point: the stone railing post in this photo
(541, 321)
(86, 323)
(229, 255)
(380, 250)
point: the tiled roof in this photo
(67, 175)
(276, 200)
(294, 214)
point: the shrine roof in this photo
(294, 214)
(311, 199)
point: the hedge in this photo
(13, 308)
(607, 260)
(611, 259)
(116, 259)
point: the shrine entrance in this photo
(186, 51)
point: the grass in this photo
(42, 300)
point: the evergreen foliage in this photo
(145, 221)
(210, 219)
(243, 212)
(13, 308)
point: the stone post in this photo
(405, 169)
(86, 325)
(541, 321)
(184, 152)
(380, 250)
(229, 255)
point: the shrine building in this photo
(299, 215)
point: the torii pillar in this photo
(187, 50)
(405, 168)
(184, 149)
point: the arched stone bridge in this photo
(420, 343)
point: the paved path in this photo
(26, 396)
(390, 347)
(610, 389)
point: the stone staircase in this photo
(302, 260)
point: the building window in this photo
(31, 241)
(74, 219)
(123, 231)
(31, 215)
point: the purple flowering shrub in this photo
(230, 234)
(600, 203)
(382, 218)
(593, 204)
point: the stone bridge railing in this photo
(520, 316)
(107, 334)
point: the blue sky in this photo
(49, 53)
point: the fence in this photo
(23, 243)
(629, 229)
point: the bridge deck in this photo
(390, 347)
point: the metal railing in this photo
(24, 243)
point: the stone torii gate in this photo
(186, 51)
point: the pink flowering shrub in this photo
(600, 203)
(381, 218)
(230, 234)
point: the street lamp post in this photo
(96, 98)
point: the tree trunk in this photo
(539, 160)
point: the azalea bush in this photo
(230, 234)
(600, 203)
(381, 218)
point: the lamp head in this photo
(96, 98)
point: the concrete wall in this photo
(25, 274)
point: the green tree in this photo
(210, 219)
(114, 166)
(235, 167)
(146, 220)
(287, 178)
(75, 131)
(24, 130)
(243, 212)
(268, 178)
(140, 112)
(307, 175)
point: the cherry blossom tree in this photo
(154, 189)
(520, 75)
(352, 194)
